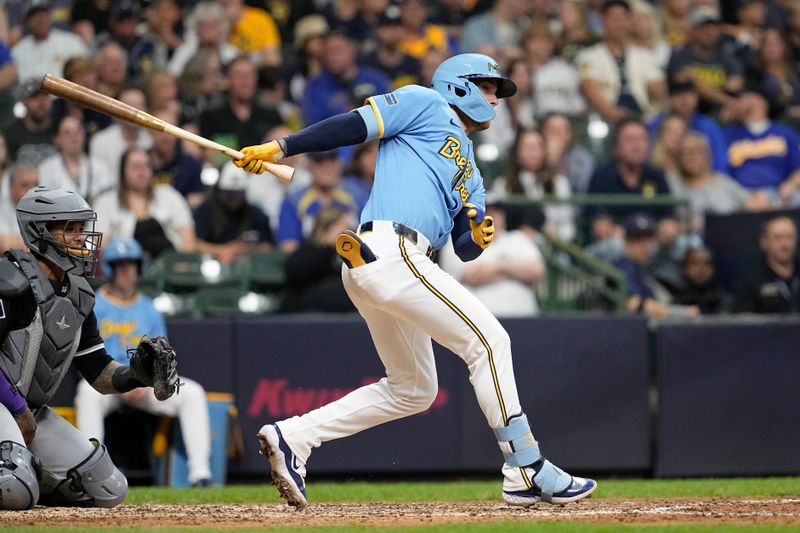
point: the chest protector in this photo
(36, 358)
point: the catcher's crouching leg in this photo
(95, 482)
(19, 477)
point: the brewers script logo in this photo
(451, 149)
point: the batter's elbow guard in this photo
(19, 477)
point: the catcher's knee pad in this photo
(95, 482)
(19, 477)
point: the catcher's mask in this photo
(59, 227)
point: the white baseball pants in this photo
(407, 300)
(190, 406)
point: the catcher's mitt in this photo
(154, 364)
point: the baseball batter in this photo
(427, 189)
(47, 322)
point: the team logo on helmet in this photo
(494, 66)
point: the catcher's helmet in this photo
(454, 78)
(121, 249)
(43, 205)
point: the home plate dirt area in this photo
(644, 511)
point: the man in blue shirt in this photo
(124, 315)
(427, 190)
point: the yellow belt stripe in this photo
(466, 320)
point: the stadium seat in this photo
(224, 302)
(262, 271)
(181, 272)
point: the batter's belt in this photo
(414, 237)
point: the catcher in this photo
(47, 321)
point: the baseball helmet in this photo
(122, 249)
(454, 79)
(42, 205)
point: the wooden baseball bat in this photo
(83, 96)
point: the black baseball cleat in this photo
(287, 474)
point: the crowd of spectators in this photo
(692, 101)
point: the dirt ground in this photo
(651, 511)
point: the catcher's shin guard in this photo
(287, 474)
(544, 481)
(19, 477)
(95, 482)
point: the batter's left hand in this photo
(482, 226)
(257, 155)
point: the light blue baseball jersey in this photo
(122, 325)
(426, 166)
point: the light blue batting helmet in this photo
(454, 78)
(122, 249)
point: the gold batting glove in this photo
(257, 155)
(482, 226)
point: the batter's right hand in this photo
(257, 155)
(27, 425)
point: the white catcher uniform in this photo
(426, 182)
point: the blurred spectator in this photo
(428, 64)
(793, 35)
(112, 69)
(772, 284)
(673, 239)
(124, 316)
(665, 147)
(646, 32)
(451, 14)
(360, 173)
(619, 79)
(199, 84)
(16, 182)
(253, 32)
(299, 208)
(503, 276)
(157, 216)
(387, 57)
(356, 17)
(675, 20)
(513, 113)
(109, 144)
(90, 18)
(70, 168)
(81, 70)
(564, 154)
(529, 175)
(629, 173)
(8, 72)
(227, 226)
(45, 49)
(165, 26)
(575, 34)
(239, 120)
(314, 270)
(555, 82)
(747, 35)
(309, 42)
(172, 166)
(683, 100)
(497, 32)
(210, 32)
(708, 191)
(778, 77)
(30, 139)
(160, 92)
(710, 66)
(140, 48)
(700, 287)
(420, 36)
(267, 192)
(763, 154)
(344, 84)
(608, 241)
(640, 230)
(272, 91)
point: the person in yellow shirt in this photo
(254, 32)
(420, 37)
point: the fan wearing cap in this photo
(640, 243)
(141, 48)
(713, 68)
(45, 49)
(401, 68)
(30, 139)
(763, 154)
(226, 224)
(427, 190)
